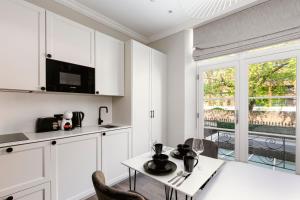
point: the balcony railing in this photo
(269, 144)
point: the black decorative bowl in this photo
(151, 168)
(160, 160)
(176, 154)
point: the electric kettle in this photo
(77, 119)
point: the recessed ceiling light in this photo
(152, 0)
(170, 11)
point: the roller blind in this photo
(268, 23)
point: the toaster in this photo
(47, 124)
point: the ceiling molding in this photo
(103, 19)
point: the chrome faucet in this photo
(100, 121)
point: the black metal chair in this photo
(210, 148)
(105, 192)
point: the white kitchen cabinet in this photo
(145, 100)
(24, 166)
(109, 56)
(158, 96)
(74, 161)
(22, 39)
(40, 192)
(69, 41)
(115, 149)
(140, 98)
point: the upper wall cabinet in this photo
(69, 41)
(109, 54)
(22, 39)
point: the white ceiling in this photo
(149, 20)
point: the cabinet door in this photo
(115, 149)
(140, 98)
(69, 41)
(109, 65)
(22, 39)
(24, 166)
(41, 192)
(75, 159)
(158, 95)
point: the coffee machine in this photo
(66, 123)
(77, 119)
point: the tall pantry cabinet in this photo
(144, 102)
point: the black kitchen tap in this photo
(100, 121)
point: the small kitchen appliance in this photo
(46, 124)
(77, 119)
(67, 77)
(66, 123)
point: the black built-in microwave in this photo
(67, 77)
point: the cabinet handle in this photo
(53, 142)
(104, 134)
(97, 92)
(153, 114)
(49, 55)
(10, 198)
(9, 150)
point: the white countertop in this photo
(45, 136)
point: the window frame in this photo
(241, 61)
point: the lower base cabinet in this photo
(74, 160)
(40, 192)
(115, 149)
(62, 169)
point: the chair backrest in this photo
(105, 192)
(210, 148)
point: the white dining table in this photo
(244, 181)
(205, 169)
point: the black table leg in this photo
(129, 179)
(134, 183)
(186, 197)
(171, 194)
(176, 194)
(167, 192)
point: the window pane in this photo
(272, 114)
(219, 83)
(219, 110)
(274, 78)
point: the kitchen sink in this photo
(109, 126)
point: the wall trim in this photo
(102, 19)
(193, 23)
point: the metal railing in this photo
(273, 149)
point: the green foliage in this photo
(273, 78)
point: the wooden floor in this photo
(148, 187)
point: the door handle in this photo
(153, 114)
(236, 116)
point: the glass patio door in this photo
(271, 108)
(218, 107)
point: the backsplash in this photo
(19, 111)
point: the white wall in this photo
(19, 111)
(181, 86)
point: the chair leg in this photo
(176, 194)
